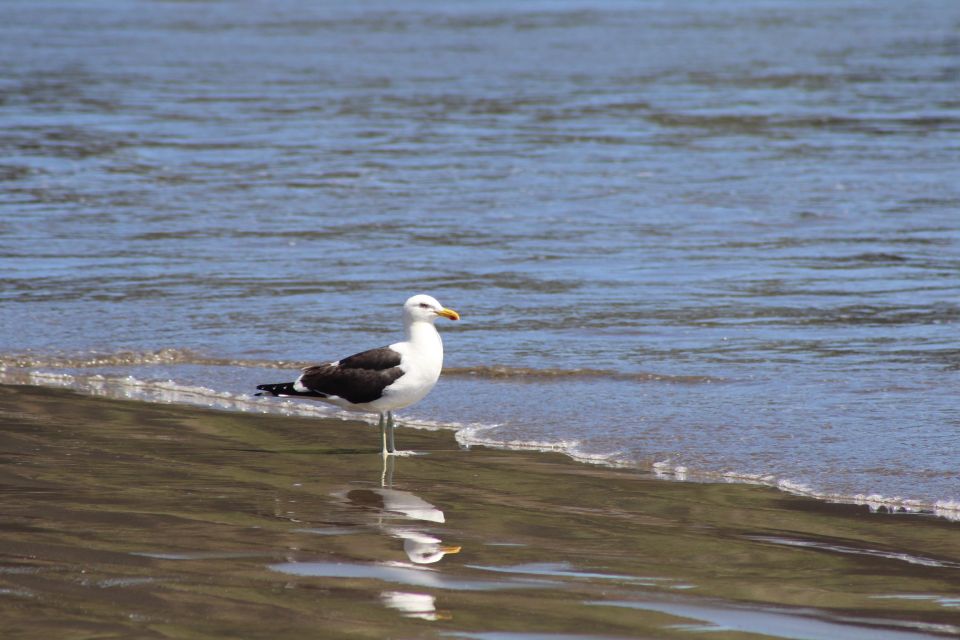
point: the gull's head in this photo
(426, 308)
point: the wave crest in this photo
(92, 360)
(504, 372)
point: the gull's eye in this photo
(424, 305)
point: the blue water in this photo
(713, 240)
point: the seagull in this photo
(380, 380)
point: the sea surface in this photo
(710, 240)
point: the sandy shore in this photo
(132, 520)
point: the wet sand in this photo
(124, 519)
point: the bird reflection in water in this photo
(414, 605)
(421, 547)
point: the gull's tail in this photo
(285, 389)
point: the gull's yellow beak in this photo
(448, 313)
(450, 549)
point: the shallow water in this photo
(136, 520)
(718, 240)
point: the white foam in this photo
(749, 478)
(166, 356)
(45, 379)
(666, 470)
(472, 435)
(949, 509)
(168, 392)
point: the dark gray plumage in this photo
(359, 378)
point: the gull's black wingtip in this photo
(286, 389)
(275, 389)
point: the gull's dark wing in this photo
(359, 378)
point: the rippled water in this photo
(704, 238)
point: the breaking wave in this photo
(480, 435)
(170, 356)
(90, 360)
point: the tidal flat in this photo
(123, 519)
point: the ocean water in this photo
(710, 240)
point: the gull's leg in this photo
(386, 475)
(391, 448)
(383, 434)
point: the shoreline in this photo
(170, 521)
(172, 393)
